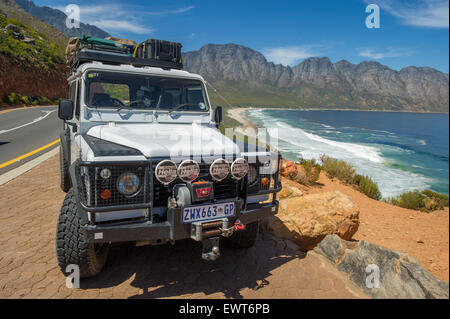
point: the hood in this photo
(156, 140)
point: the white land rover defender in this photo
(142, 160)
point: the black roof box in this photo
(87, 55)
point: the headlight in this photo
(252, 175)
(128, 184)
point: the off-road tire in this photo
(71, 247)
(64, 172)
(245, 238)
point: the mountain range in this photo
(244, 76)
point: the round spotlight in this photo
(128, 184)
(188, 171)
(166, 172)
(219, 169)
(239, 168)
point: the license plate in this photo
(206, 212)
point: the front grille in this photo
(92, 185)
(227, 188)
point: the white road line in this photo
(32, 122)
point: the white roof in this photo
(146, 70)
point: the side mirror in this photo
(65, 109)
(218, 115)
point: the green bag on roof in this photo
(97, 41)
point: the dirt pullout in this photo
(423, 236)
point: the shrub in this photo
(310, 174)
(368, 186)
(312, 170)
(426, 200)
(441, 199)
(338, 169)
(18, 99)
(411, 200)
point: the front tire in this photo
(245, 238)
(65, 182)
(71, 247)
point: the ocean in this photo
(399, 151)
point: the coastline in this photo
(337, 109)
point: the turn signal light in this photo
(105, 194)
(265, 181)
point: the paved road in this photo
(29, 207)
(25, 130)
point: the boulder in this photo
(287, 167)
(289, 191)
(13, 28)
(306, 220)
(381, 272)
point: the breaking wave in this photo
(295, 142)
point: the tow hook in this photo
(238, 225)
(227, 232)
(210, 249)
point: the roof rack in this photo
(91, 54)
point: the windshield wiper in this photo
(131, 103)
(180, 106)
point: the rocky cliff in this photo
(317, 82)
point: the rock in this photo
(308, 219)
(287, 167)
(289, 191)
(419, 241)
(296, 192)
(29, 40)
(285, 192)
(390, 274)
(13, 28)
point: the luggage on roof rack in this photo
(154, 53)
(159, 50)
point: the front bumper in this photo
(172, 229)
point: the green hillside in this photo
(14, 11)
(26, 46)
(33, 68)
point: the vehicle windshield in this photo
(123, 91)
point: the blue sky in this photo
(413, 32)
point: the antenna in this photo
(220, 95)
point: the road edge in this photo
(16, 172)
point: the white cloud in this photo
(390, 52)
(176, 11)
(421, 13)
(121, 26)
(288, 55)
(115, 18)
